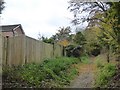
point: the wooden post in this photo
(7, 41)
(53, 49)
(63, 51)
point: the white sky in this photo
(37, 16)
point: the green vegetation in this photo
(79, 38)
(85, 59)
(103, 29)
(100, 61)
(105, 72)
(101, 34)
(2, 6)
(51, 73)
(62, 34)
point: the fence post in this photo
(7, 42)
(25, 49)
(63, 50)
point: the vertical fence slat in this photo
(23, 49)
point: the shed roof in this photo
(8, 28)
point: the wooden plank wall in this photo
(20, 50)
(58, 50)
(1, 57)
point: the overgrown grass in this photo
(85, 59)
(100, 61)
(105, 72)
(51, 73)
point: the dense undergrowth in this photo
(115, 80)
(51, 73)
(104, 73)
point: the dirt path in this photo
(86, 76)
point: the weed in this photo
(104, 74)
(84, 59)
(99, 63)
(57, 71)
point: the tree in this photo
(39, 37)
(2, 6)
(79, 38)
(92, 40)
(79, 8)
(104, 15)
(63, 33)
(111, 35)
(62, 37)
(50, 40)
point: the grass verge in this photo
(51, 73)
(105, 72)
(85, 59)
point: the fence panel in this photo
(23, 49)
(15, 50)
(58, 50)
(3, 51)
(34, 50)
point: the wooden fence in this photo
(23, 49)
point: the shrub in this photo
(95, 52)
(104, 74)
(58, 72)
(69, 50)
(75, 51)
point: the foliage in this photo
(45, 39)
(100, 62)
(96, 51)
(63, 33)
(63, 42)
(2, 5)
(51, 73)
(77, 51)
(74, 51)
(48, 40)
(61, 37)
(104, 74)
(69, 50)
(92, 40)
(79, 38)
(76, 6)
(115, 81)
(106, 16)
(111, 28)
(85, 59)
